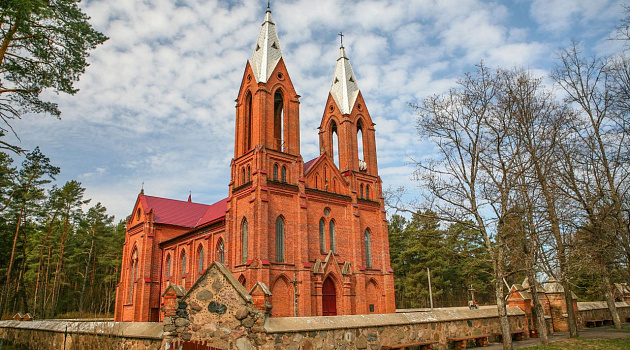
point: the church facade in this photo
(314, 233)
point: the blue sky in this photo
(156, 104)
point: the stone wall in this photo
(219, 312)
(69, 335)
(598, 311)
(374, 331)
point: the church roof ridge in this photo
(344, 88)
(267, 52)
(183, 213)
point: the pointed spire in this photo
(344, 88)
(189, 196)
(267, 52)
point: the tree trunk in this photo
(40, 261)
(610, 300)
(568, 297)
(5, 296)
(56, 283)
(501, 307)
(543, 332)
(85, 276)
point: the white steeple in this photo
(344, 88)
(267, 52)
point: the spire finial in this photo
(341, 38)
(142, 188)
(269, 5)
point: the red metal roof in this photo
(309, 164)
(215, 211)
(182, 213)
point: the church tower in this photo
(346, 132)
(265, 221)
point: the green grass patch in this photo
(623, 329)
(585, 344)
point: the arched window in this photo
(133, 272)
(220, 251)
(335, 144)
(278, 121)
(331, 232)
(360, 141)
(361, 193)
(275, 172)
(242, 176)
(244, 240)
(247, 139)
(249, 173)
(279, 239)
(200, 259)
(317, 181)
(368, 249)
(322, 236)
(182, 260)
(283, 174)
(138, 214)
(367, 192)
(168, 266)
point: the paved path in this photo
(604, 332)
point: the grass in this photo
(623, 329)
(585, 344)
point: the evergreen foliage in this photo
(454, 254)
(57, 255)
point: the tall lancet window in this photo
(278, 121)
(331, 232)
(280, 240)
(133, 273)
(200, 259)
(183, 262)
(244, 240)
(368, 249)
(247, 125)
(322, 236)
(335, 144)
(360, 149)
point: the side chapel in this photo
(315, 232)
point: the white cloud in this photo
(157, 102)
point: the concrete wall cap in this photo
(142, 330)
(304, 324)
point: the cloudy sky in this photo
(156, 105)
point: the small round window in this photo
(327, 211)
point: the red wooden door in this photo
(329, 298)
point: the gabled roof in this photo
(182, 213)
(267, 53)
(308, 165)
(344, 88)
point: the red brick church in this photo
(314, 233)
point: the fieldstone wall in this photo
(374, 331)
(52, 334)
(217, 311)
(598, 311)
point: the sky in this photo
(156, 105)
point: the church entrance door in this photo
(329, 298)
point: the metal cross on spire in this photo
(268, 4)
(341, 36)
